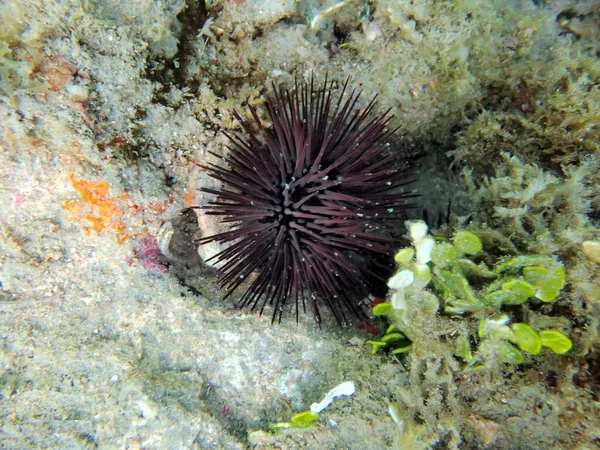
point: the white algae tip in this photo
(591, 250)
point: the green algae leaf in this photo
(303, 419)
(463, 349)
(508, 291)
(497, 284)
(507, 352)
(519, 291)
(459, 286)
(519, 262)
(460, 297)
(555, 341)
(444, 254)
(467, 243)
(392, 338)
(460, 306)
(404, 256)
(422, 274)
(470, 269)
(527, 338)
(501, 350)
(376, 345)
(498, 298)
(548, 281)
(392, 329)
(403, 349)
(496, 328)
(382, 309)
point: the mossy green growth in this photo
(512, 292)
(498, 340)
(463, 349)
(516, 280)
(460, 281)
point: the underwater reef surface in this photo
(114, 333)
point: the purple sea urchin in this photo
(313, 200)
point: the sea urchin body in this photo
(314, 202)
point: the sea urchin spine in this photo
(314, 202)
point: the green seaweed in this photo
(470, 288)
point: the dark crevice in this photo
(192, 18)
(174, 70)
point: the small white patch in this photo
(347, 388)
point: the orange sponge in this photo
(99, 210)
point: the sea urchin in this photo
(314, 202)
